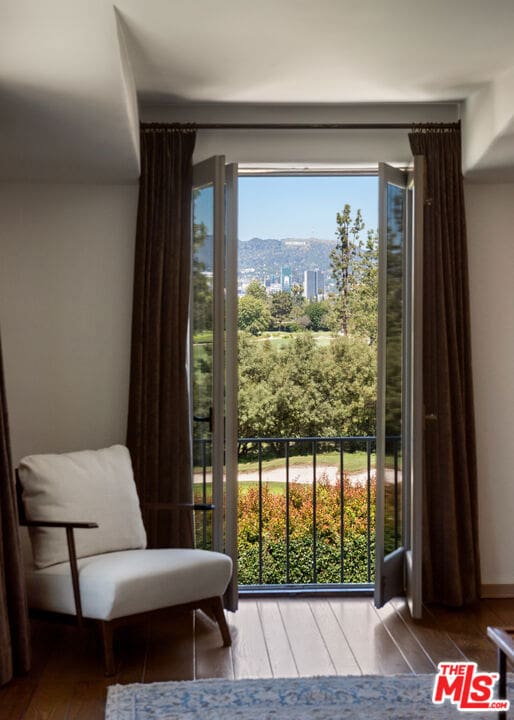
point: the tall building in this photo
(313, 284)
(321, 284)
(285, 277)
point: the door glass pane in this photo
(202, 334)
(394, 370)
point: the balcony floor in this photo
(271, 638)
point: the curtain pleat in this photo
(158, 425)
(451, 564)
(14, 623)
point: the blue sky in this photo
(304, 206)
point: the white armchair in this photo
(89, 556)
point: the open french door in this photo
(213, 356)
(400, 414)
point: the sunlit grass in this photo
(281, 339)
(353, 462)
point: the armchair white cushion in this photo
(117, 584)
(86, 486)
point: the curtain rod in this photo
(146, 127)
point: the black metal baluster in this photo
(287, 511)
(260, 512)
(314, 515)
(341, 502)
(368, 452)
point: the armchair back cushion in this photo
(86, 486)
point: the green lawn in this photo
(281, 339)
(277, 488)
(353, 462)
(278, 337)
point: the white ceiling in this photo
(317, 51)
(70, 71)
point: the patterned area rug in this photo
(372, 697)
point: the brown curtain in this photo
(451, 566)
(14, 624)
(158, 425)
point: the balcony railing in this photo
(306, 509)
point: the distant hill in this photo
(268, 255)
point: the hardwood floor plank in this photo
(279, 651)
(502, 608)
(51, 701)
(212, 660)
(467, 629)
(249, 652)
(373, 647)
(88, 701)
(401, 633)
(435, 641)
(75, 655)
(130, 652)
(335, 640)
(45, 635)
(308, 647)
(170, 654)
(15, 698)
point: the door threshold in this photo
(308, 590)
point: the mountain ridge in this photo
(265, 257)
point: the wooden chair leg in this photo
(107, 632)
(219, 614)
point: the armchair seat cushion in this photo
(117, 584)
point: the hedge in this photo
(357, 565)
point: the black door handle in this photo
(208, 419)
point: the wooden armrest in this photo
(72, 553)
(69, 527)
(205, 507)
(57, 524)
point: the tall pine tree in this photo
(354, 265)
(342, 261)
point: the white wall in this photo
(66, 276)
(490, 221)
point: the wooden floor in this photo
(271, 638)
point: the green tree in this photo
(304, 389)
(317, 312)
(299, 304)
(297, 295)
(354, 265)
(342, 259)
(253, 315)
(281, 306)
(257, 290)
(202, 284)
(363, 301)
(349, 377)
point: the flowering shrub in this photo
(329, 565)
